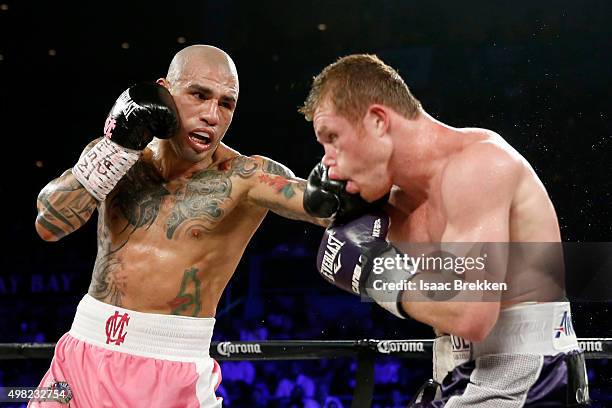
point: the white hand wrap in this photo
(395, 278)
(100, 169)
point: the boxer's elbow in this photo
(45, 233)
(476, 323)
(473, 332)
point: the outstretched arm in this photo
(276, 188)
(63, 205)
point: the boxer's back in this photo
(170, 247)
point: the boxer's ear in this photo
(377, 119)
(163, 82)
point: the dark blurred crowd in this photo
(324, 383)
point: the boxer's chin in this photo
(351, 187)
(373, 195)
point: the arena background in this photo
(536, 72)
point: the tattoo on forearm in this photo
(188, 301)
(288, 213)
(64, 205)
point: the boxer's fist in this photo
(347, 256)
(325, 198)
(143, 111)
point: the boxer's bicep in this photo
(63, 205)
(276, 188)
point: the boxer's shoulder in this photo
(484, 142)
(485, 171)
(270, 166)
(246, 167)
(482, 159)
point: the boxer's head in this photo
(204, 83)
(351, 104)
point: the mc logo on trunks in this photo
(115, 326)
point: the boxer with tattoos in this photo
(176, 209)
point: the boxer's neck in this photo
(422, 147)
(170, 166)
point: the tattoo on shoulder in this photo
(273, 167)
(242, 166)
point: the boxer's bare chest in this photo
(184, 208)
(415, 220)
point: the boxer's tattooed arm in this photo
(241, 166)
(188, 301)
(273, 167)
(276, 188)
(64, 206)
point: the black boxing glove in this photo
(327, 198)
(356, 257)
(141, 112)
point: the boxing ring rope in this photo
(365, 351)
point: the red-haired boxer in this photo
(448, 186)
(176, 209)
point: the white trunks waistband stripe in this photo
(144, 334)
(534, 328)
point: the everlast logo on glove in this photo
(126, 104)
(361, 241)
(356, 281)
(329, 265)
(340, 259)
(376, 229)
